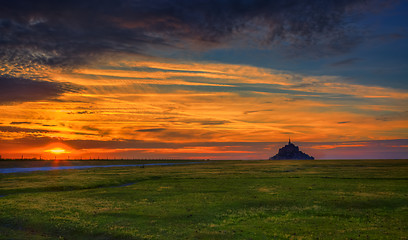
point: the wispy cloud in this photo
(345, 62)
(235, 102)
(10, 129)
(151, 130)
(18, 123)
(338, 146)
(344, 122)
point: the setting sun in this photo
(57, 151)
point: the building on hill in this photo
(291, 151)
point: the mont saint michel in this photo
(291, 151)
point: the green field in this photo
(352, 199)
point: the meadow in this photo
(320, 199)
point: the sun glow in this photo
(57, 151)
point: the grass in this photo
(352, 199)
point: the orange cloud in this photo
(337, 146)
(207, 102)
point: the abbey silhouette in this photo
(291, 151)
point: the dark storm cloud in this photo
(24, 90)
(55, 33)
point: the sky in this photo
(203, 79)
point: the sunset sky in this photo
(213, 79)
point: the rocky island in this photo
(291, 151)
